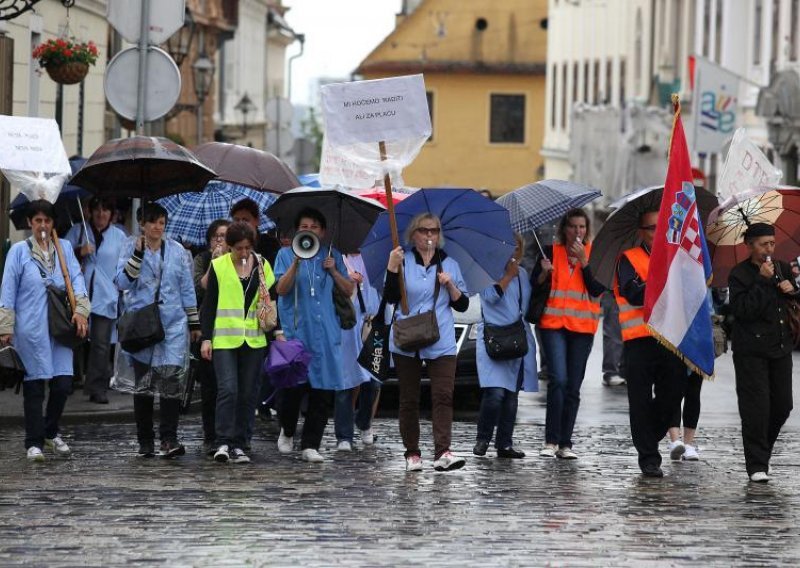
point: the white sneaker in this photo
(58, 445)
(676, 450)
(566, 454)
(344, 446)
(759, 477)
(312, 456)
(549, 451)
(413, 463)
(285, 443)
(238, 456)
(448, 461)
(367, 437)
(691, 453)
(35, 454)
(613, 381)
(222, 455)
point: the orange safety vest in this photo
(569, 305)
(631, 318)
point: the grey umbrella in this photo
(620, 231)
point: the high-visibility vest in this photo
(631, 318)
(569, 305)
(232, 326)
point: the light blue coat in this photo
(505, 310)
(100, 267)
(177, 295)
(25, 292)
(420, 283)
(353, 373)
(317, 324)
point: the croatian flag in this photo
(675, 305)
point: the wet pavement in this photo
(105, 507)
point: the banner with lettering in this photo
(32, 145)
(716, 106)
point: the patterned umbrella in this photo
(540, 203)
(725, 234)
(190, 214)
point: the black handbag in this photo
(538, 301)
(504, 342)
(139, 329)
(344, 309)
(421, 330)
(375, 355)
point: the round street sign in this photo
(166, 18)
(163, 83)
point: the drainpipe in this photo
(302, 39)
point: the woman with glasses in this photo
(432, 281)
(567, 326)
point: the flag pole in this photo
(387, 185)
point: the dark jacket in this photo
(759, 309)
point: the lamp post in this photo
(203, 75)
(180, 43)
(245, 106)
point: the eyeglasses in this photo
(219, 237)
(429, 230)
(648, 228)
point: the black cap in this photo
(759, 230)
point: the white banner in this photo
(378, 110)
(716, 107)
(32, 145)
(746, 168)
(335, 169)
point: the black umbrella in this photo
(349, 216)
(142, 166)
(620, 231)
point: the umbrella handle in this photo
(387, 186)
(541, 250)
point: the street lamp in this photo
(203, 75)
(179, 43)
(245, 106)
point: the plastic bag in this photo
(36, 185)
(136, 377)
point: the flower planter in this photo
(68, 73)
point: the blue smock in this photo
(317, 323)
(353, 373)
(100, 267)
(25, 292)
(176, 296)
(420, 282)
(505, 310)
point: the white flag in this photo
(716, 96)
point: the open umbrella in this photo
(349, 216)
(540, 203)
(621, 230)
(477, 233)
(142, 166)
(190, 214)
(379, 194)
(725, 234)
(247, 166)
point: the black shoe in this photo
(510, 453)
(98, 398)
(480, 448)
(652, 470)
(147, 449)
(209, 449)
(171, 450)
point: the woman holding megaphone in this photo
(307, 274)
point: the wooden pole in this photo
(63, 262)
(387, 185)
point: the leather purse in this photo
(504, 342)
(140, 329)
(344, 309)
(416, 332)
(267, 312)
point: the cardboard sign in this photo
(32, 145)
(746, 168)
(335, 168)
(378, 110)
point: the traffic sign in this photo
(163, 83)
(166, 18)
(279, 139)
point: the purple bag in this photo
(287, 363)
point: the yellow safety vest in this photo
(232, 326)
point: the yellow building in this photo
(484, 67)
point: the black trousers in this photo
(207, 377)
(98, 371)
(38, 425)
(317, 413)
(169, 409)
(656, 383)
(691, 404)
(764, 391)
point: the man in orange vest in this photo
(656, 377)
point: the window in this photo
(607, 93)
(507, 121)
(596, 80)
(564, 97)
(429, 96)
(553, 97)
(794, 22)
(586, 93)
(776, 36)
(757, 23)
(575, 72)
(622, 79)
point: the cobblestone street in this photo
(106, 507)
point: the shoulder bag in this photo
(267, 313)
(415, 332)
(139, 329)
(538, 300)
(505, 342)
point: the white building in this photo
(613, 58)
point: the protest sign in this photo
(32, 145)
(746, 168)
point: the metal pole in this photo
(141, 85)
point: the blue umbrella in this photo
(477, 234)
(543, 202)
(190, 214)
(309, 180)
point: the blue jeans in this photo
(238, 371)
(498, 406)
(567, 353)
(345, 416)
